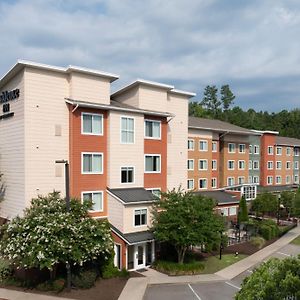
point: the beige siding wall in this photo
(129, 218)
(115, 212)
(200, 134)
(122, 155)
(45, 109)
(89, 88)
(177, 141)
(153, 98)
(12, 152)
(131, 97)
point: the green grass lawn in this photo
(296, 241)
(213, 264)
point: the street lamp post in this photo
(278, 209)
(221, 244)
(67, 184)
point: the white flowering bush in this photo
(48, 235)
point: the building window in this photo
(242, 148)
(278, 165)
(214, 183)
(288, 151)
(92, 163)
(152, 163)
(250, 164)
(231, 148)
(202, 183)
(232, 211)
(250, 149)
(224, 211)
(278, 179)
(270, 150)
(250, 192)
(202, 164)
(255, 165)
(152, 129)
(241, 165)
(287, 179)
(256, 149)
(278, 150)
(296, 151)
(288, 165)
(241, 179)
(92, 124)
(191, 145)
(127, 130)
(296, 178)
(127, 174)
(190, 184)
(230, 165)
(255, 179)
(214, 164)
(230, 181)
(296, 165)
(96, 198)
(203, 145)
(269, 180)
(140, 217)
(156, 192)
(190, 164)
(214, 146)
(249, 179)
(270, 165)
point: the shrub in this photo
(285, 229)
(266, 232)
(85, 279)
(5, 270)
(58, 285)
(173, 268)
(257, 241)
(44, 286)
(110, 271)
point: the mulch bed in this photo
(104, 289)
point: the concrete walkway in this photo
(135, 287)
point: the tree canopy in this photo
(265, 203)
(274, 280)
(243, 211)
(184, 219)
(48, 235)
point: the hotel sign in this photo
(5, 99)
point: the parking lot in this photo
(224, 290)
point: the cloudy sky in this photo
(252, 45)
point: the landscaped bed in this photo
(296, 241)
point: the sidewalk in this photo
(135, 287)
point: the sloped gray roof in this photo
(135, 237)
(221, 197)
(277, 188)
(133, 195)
(287, 141)
(217, 125)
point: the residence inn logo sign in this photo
(5, 99)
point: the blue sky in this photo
(254, 46)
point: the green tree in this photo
(296, 204)
(243, 211)
(287, 200)
(265, 203)
(196, 110)
(227, 97)
(48, 235)
(274, 280)
(184, 220)
(211, 102)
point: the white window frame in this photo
(232, 211)
(187, 184)
(271, 167)
(269, 182)
(228, 164)
(91, 133)
(214, 165)
(250, 166)
(212, 146)
(278, 162)
(244, 164)
(230, 178)
(234, 147)
(193, 163)
(244, 148)
(92, 153)
(127, 117)
(152, 189)
(256, 149)
(277, 150)
(149, 137)
(255, 162)
(215, 179)
(288, 151)
(278, 177)
(94, 192)
(239, 179)
(249, 179)
(142, 225)
(152, 172)
(254, 179)
(288, 165)
(250, 149)
(296, 151)
(286, 179)
(205, 142)
(193, 143)
(121, 175)
(206, 183)
(199, 165)
(270, 152)
(296, 178)
(296, 165)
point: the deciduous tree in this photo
(243, 211)
(265, 203)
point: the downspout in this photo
(75, 108)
